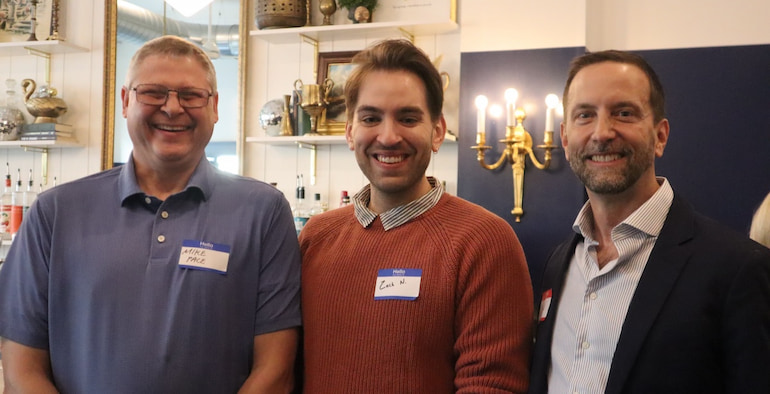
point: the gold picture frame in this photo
(337, 67)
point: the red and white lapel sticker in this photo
(545, 304)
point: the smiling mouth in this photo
(605, 157)
(389, 159)
(171, 127)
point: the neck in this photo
(163, 182)
(380, 201)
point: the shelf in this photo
(311, 140)
(290, 35)
(17, 48)
(40, 144)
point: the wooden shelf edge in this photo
(16, 48)
(291, 140)
(344, 31)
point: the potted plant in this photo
(359, 10)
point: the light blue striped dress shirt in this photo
(398, 215)
(594, 301)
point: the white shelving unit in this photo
(358, 30)
(44, 49)
(292, 140)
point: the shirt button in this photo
(164, 215)
(593, 296)
(585, 345)
(161, 238)
(147, 200)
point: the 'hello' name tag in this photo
(204, 256)
(398, 284)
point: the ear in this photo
(564, 140)
(215, 107)
(349, 134)
(439, 132)
(661, 137)
(124, 93)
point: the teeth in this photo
(390, 159)
(171, 128)
(602, 158)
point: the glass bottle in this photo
(344, 198)
(6, 204)
(299, 211)
(318, 206)
(11, 117)
(17, 205)
(29, 195)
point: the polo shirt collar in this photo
(202, 180)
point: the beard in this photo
(611, 181)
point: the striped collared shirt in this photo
(594, 301)
(398, 215)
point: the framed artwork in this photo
(18, 16)
(337, 67)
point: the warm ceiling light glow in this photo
(188, 7)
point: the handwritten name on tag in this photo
(398, 284)
(204, 256)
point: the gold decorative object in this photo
(286, 129)
(518, 142)
(55, 8)
(33, 20)
(281, 13)
(313, 99)
(362, 14)
(43, 104)
(328, 8)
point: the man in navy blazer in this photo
(647, 296)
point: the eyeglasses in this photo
(150, 94)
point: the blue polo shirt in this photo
(94, 277)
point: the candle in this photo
(481, 119)
(551, 101)
(511, 95)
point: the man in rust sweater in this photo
(410, 290)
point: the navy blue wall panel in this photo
(718, 155)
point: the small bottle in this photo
(317, 206)
(17, 205)
(29, 195)
(299, 211)
(6, 203)
(344, 198)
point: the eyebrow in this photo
(402, 110)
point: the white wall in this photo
(78, 79)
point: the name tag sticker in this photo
(545, 304)
(206, 256)
(398, 284)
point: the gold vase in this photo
(286, 129)
(328, 8)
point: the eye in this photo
(410, 120)
(157, 93)
(627, 115)
(192, 94)
(369, 119)
(583, 117)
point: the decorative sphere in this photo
(270, 117)
(362, 14)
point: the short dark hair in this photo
(172, 46)
(657, 96)
(396, 55)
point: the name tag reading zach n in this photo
(398, 284)
(201, 255)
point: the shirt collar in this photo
(648, 218)
(202, 180)
(399, 215)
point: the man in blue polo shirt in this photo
(163, 275)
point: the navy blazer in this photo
(699, 321)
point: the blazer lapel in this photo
(669, 255)
(553, 280)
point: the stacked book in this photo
(47, 132)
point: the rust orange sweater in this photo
(468, 331)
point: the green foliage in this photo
(352, 4)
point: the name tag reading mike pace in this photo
(398, 284)
(207, 256)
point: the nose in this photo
(172, 106)
(604, 127)
(389, 134)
